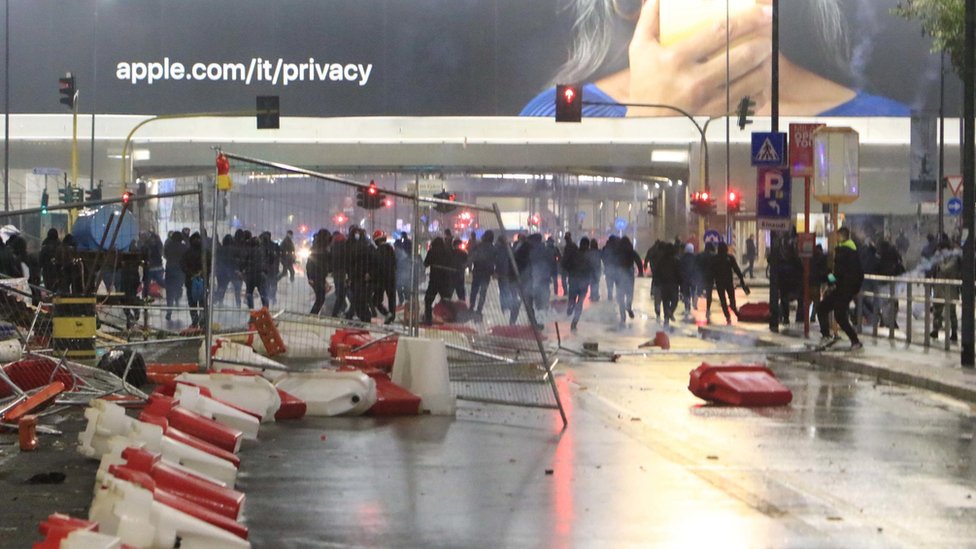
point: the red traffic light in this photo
(126, 198)
(569, 94)
(703, 195)
(732, 196)
(372, 188)
(340, 219)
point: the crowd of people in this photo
(372, 276)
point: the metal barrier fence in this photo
(896, 305)
(380, 256)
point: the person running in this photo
(482, 260)
(287, 250)
(723, 266)
(845, 282)
(624, 260)
(440, 281)
(580, 277)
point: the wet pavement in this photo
(853, 461)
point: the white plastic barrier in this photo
(252, 393)
(85, 539)
(236, 353)
(10, 351)
(107, 420)
(114, 457)
(191, 399)
(420, 367)
(331, 392)
(129, 512)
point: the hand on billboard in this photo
(691, 74)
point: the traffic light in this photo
(445, 208)
(66, 87)
(569, 103)
(96, 193)
(702, 203)
(44, 202)
(744, 111)
(126, 199)
(65, 195)
(733, 202)
(369, 198)
(268, 112)
(652, 206)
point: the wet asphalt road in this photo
(643, 463)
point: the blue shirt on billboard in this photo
(863, 104)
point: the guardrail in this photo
(896, 304)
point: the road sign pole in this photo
(806, 260)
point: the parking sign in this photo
(773, 198)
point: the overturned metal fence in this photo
(325, 252)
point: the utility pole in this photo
(967, 358)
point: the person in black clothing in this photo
(70, 266)
(567, 243)
(50, 271)
(650, 265)
(482, 260)
(459, 263)
(358, 253)
(440, 282)
(889, 264)
(505, 273)
(580, 276)
(595, 258)
(226, 269)
(288, 257)
(624, 259)
(723, 266)
(173, 252)
(194, 265)
(818, 277)
(152, 248)
(750, 256)
(610, 260)
(33, 274)
(256, 273)
(340, 263)
(383, 277)
(129, 285)
(845, 282)
(707, 269)
(317, 268)
(272, 253)
(774, 262)
(555, 259)
(667, 273)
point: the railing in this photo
(896, 304)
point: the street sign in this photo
(769, 149)
(954, 182)
(773, 199)
(801, 149)
(712, 237)
(954, 206)
(47, 171)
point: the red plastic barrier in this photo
(739, 385)
(172, 500)
(351, 337)
(754, 312)
(391, 399)
(32, 373)
(191, 423)
(58, 526)
(662, 340)
(219, 499)
(166, 373)
(292, 407)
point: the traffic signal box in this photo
(702, 203)
(370, 198)
(66, 87)
(745, 110)
(569, 103)
(733, 203)
(445, 208)
(652, 206)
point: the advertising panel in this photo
(466, 58)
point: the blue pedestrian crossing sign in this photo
(954, 206)
(769, 149)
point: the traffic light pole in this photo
(72, 214)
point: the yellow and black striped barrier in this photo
(74, 326)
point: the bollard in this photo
(27, 429)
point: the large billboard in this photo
(465, 57)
